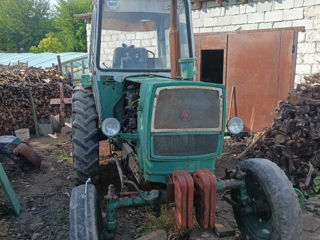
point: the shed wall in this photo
(234, 15)
(255, 15)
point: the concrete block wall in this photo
(236, 16)
(110, 40)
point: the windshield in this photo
(135, 34)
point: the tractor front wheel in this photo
(273, 210)
(85, 136)
(85, 214)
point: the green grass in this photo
(166, 221)
(64, 157)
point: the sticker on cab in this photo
(112, 4)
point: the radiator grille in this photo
(187, 108)
(185, 145)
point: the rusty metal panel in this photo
(210, 42)
(183, 196)
(252, 69)
(205, 197)
(258, 67)
(259, 70)
(287, 63)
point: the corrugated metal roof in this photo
(41, 60)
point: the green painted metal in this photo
(86, 80)
(260, 224)
(157, 168)
(128, 135)
(9, 191)
(108, 97)
(300, 193)
(108, 88)
(187, 68)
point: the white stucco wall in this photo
(254, 15)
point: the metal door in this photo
(259, 71)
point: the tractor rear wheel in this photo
(274, 208)
(85, 214)
(85, 136)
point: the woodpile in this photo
(293, 141)
(16, 84)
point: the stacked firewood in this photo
(18, 84)
(293, 141)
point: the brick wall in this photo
(254, 15)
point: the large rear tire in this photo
(277, 212)
(85, 136)
(85, 214)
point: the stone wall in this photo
(254, 15)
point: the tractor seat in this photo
(130, 58)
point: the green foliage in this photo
(23, 23)
(316, 184)
(71, 30)
(48, 44)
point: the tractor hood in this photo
(174, 130)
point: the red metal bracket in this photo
(205, 184)
(183, 195)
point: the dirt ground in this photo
(44, 196)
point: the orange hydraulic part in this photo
(183, 195)
(205, 184)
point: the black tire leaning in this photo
(85, 214)
(280, 195)
(85, 136)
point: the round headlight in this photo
(235, 125)
(110, 127)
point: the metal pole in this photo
(72, 73)
(59, 63)
(82, 65)
(174, 40)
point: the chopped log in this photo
(293, 140)
(256, 138)
(15, 106)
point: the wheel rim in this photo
(259, 222)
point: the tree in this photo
(48, 44)
(23, 23)
(71, 30)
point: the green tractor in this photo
(141, 96)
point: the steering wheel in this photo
(152, 53)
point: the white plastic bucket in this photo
(23, 134)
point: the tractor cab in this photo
(139, 36)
